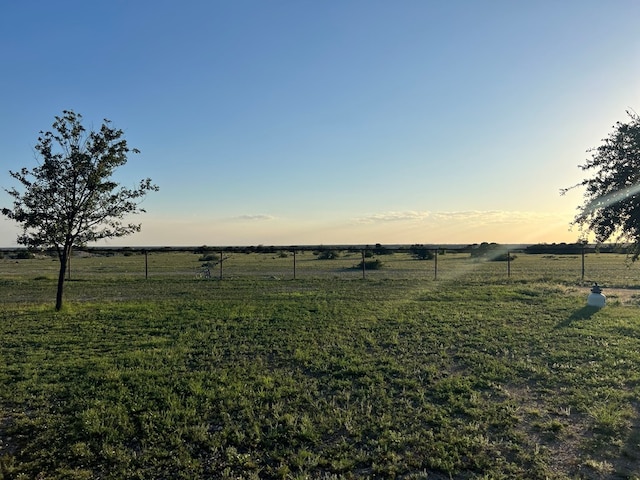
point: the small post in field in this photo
(583, 245)
(221, 258)
(363, 265)
(435, 265)
(146, 265)
(294, 263)
(508, 264)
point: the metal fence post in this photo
(294, 263)
(435, 265)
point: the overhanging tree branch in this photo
(611, 205)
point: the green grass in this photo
(474, 375)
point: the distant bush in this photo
(329, 254)
(209, 257)
(492, 252)
(421, 252)
(575, 248)
(24, 255)
(380, 250)
(503, 257)
(370, 264)
(486, 251)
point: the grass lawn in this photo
(472, 375)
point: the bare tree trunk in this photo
(63, 267)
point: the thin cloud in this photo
(493, 216)
(394, 217)
(467, 216)
(253, 218)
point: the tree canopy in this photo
(611, 207)
(70, 198)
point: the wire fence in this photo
(610, 269)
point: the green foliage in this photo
(421, 252)
(70, 198)
(611, 208)
(382, 250)
(24, 255)
(371, 264)
(328, 254)
(503, 257)
(209, 257)
(491, 251)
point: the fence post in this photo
(508, 264)
(435, 265)
(363, 266)
(294, 263)
(221, 259)
(583, 245)
(146, 266)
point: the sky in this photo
(308, 122)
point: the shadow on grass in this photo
(584, 313)
(630, 467)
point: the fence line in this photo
(581, 265)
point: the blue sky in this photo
(315, 122)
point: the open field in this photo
(399, 375)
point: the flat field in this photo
(475, 372)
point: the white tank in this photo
(596, 297)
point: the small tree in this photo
(611, 207)
(69, 199)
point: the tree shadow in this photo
(583, 313)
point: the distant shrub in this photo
(380, 250)
(492, 252)
(421, 252)
(266, 249)
(503, 257)
(485, 251)
(370, 264)
(328, 254)
(209, 257)
(24, 255)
